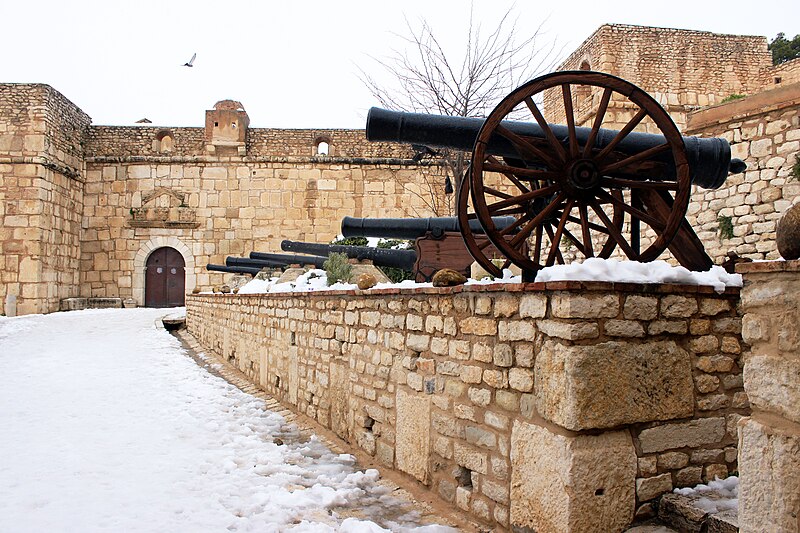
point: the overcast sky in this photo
(291, 64)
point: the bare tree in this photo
(469, 83)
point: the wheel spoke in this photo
(636, 203)
(641, 156)
(537, 250)
(548, 133)
(614, 231)
(653, 222)
(527, 172)
(587, 236)
(592, 225)
(496, 166)
(620, 183)
(522, 198)
(573, 138)
(559, 257)
(517, 223)
(526, 147)
(537, 220)
(495, 192)
(622, 134)
(577, 243)
(560, 230)
(598, 120)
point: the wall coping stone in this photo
(768, 266)
(570, 285)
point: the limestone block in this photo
(651, 487)
(692, 434)
(773, 384)
(769, 477)
(412, 439)
(339, 380)
(571, 483)
(576, 305)
(612, 383)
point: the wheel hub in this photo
(583, 175)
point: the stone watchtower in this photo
(226, 128)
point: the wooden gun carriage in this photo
(592, 189)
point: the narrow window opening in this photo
(322, 148)
(778, 79)
(463, 477)
(277, 382)
(600, 492)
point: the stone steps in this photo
(688, 514)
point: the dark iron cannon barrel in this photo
(290, 259)
(709, 158)
(259, 263)
(411, 228)
(382, 257)
(233, 269)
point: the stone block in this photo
(412, 438)
(640, 308)
(577, 305)
(612, 383)
(533, 306)
(478, 326)
(769, 476)
(773, 384)
(692, 434)
(567, 330)
(673, 306)
(649, 488)
(571, 483)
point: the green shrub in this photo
(732, 97)
(338, 268)
(396, 275)
(725, 227)
(796, 168)
(350, 241)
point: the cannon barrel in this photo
(709, 158)
(244, 261)
(411, 228)
(290, 259)
(233, 269)
(382, 257)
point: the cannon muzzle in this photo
(411, 228)
(382, 257)
(709, 158)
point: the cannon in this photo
(233, 269)
(284, 260)
(382, 257)
(587, 189)
(438, 243)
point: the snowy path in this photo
(107, 425)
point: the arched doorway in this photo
(165, 283)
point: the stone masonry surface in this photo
(445, 385)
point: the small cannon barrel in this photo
(382, 257)
(233, 269)
(245, 262)
(411, 228)
(709, 158)
(290, 259)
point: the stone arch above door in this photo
(148, 248)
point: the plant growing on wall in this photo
(732, 97)
(725, 227)
(796, 168)
(338, 268)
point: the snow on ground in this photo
(718, 495)
(108, 425)
(591, 269)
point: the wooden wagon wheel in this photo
(568, 188)
(465, 215)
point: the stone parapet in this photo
(769, 441)
(506, 400)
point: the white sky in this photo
(291, 64)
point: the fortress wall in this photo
(232, 206)
(563, 406)
(764, 131)
(41, 173)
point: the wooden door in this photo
(164, 279)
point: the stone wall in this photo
(769, 440)
(764, 131)
(217, 207)
(41, 173)
(682, 69)
(558, 406)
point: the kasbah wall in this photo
(83, 206)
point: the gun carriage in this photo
(590, 188)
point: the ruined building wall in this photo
(41, 197)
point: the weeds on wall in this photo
(338, 268)
(732, 97)
(796, 168)
(725, 227)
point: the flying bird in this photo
(189, 63)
